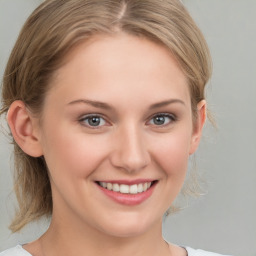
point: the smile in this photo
(128, 193)
(126, 189)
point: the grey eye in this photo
(162, 119)
(159, 120)
(93, 121)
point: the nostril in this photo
(129, 163)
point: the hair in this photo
(49, 34)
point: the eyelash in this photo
(172, 118)
(86, 119)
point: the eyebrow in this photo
(166, 102)
(103, 105)
(96, 104)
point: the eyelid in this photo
(172, 116)
(82, 118)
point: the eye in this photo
(93, 121)
(162, 119)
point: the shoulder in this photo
(15, 251)
(193, 252)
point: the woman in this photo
(105, 102)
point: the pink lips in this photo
(128, 199)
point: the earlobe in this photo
(23, 129)
(198, 126)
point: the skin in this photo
(131, 76)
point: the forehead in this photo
(121, 65)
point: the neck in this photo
(76, 239)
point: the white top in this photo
(19, 251)
(193, 252)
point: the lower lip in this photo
(128, 199)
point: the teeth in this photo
(134, 189)
(103, 184)
(140, 188)
(109, 186)
(126, 189)
(116, 187)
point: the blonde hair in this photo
(57, 26)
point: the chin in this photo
(130, 226)
(126, 232)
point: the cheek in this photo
(73, 155)
(172, 154)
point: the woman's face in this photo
(118, 114)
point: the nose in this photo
(130, 152)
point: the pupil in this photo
(94, 121)
(159, 120)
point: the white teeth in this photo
(109, 186)
(116, 187)
(140, 188)
(134, 189)
(103, 184)
(126, 189)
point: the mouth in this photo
(132, 189)
(128, 193)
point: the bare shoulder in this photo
(177, 250)
(33, 248)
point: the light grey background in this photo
(224, 220)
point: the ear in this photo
(198, 126)
(24, 128)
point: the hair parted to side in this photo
(56, 27)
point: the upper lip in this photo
(127, 182)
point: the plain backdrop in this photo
(224, 219)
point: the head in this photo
(53, 32)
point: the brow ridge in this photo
(93, 103)
(165, 103)
(103, 105)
